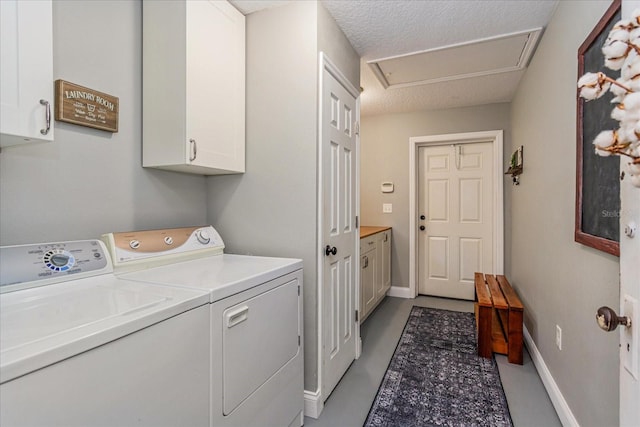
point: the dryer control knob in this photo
(203, 236)
(134, 244)
(168, 240)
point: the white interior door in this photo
(338, 120)
(629, 288)
(455, 217)
(629, 303)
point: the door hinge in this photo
(356, 221)
(298, 340)
(356, 315)
(357, 128)
(298, 290)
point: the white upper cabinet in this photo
(193, 87)
(26, 71)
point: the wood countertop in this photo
(366, 231)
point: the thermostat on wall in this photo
(387, 187)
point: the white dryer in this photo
(80, 347)
(256, 373)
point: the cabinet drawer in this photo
(367, 243)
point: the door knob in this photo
(330, 250)
(608, 320)
(422, 227)
(422, 217)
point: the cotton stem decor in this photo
(621, 53)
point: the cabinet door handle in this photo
(194, 149)
(366, 262)
(47, 116)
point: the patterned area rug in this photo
(436, 378)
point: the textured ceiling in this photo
(383, 28)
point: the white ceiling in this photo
(385, 28)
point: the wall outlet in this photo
(559, 337)
(387, 208)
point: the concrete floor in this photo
(352, 398)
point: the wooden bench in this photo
(499, 314)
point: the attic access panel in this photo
(494, 55)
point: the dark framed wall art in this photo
(597, 209)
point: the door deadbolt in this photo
(422, 228)
(422, 217)
(608, 319)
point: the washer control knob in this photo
(203, 236)
(134, 244)
(168, 240)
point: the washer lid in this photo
(222, 275)
(43, 325)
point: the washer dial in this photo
(203, 236)
(58, 260)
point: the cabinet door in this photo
(26, 61)
(215, 86)
(385, 260)
(368, 277)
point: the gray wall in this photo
(271, 209)
(561, 282)
(89, 182)
(385, 157)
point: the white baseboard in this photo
(400, 292)
(313, 404)
(559, 403)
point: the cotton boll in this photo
(635, 17)
(593, 85)
(617, 99)
(634, 84)
(615, 50)
(626, 133)
(630, 136)
(605, 139)
(619, 113)
(632, 101)
(614, 63)
(631, 67)
(602, 153)
(618, 34)
(588, 79)
(623, 24)
(619, 90)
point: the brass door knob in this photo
(608, 319)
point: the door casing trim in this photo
(496, 138)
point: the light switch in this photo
(387, 208)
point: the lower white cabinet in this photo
(375, 269)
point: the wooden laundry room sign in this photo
(86, 107)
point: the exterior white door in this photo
(338, 122)
(455, 217)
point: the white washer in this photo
(256, 318)
(80, 347)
